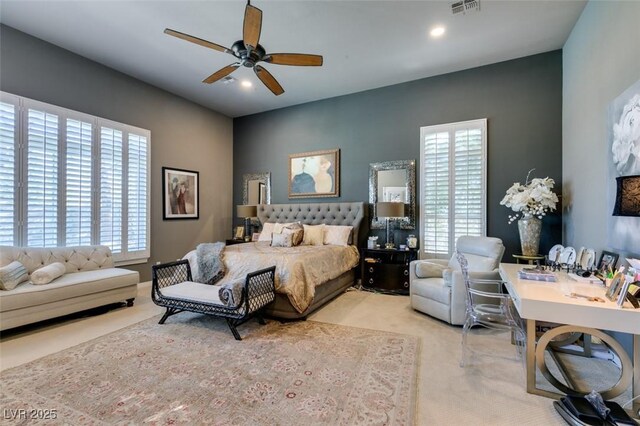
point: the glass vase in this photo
(529, 227)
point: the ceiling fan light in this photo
(437, 31)
(246, 83)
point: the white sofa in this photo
(90, 280)
(443, 296)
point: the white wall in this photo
(601, 59)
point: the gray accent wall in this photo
(522, 100)
(183, 134)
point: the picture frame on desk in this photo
(608, 260)
(614, 289)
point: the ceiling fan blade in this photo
(221, 73)
(299, 59)
(252, 27)
(268, 80)
(196, 40)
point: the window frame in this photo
(451, 128)
(22, 106)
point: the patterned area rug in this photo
(192, 371)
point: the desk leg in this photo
(531, 356)
(635, 392)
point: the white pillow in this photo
(267, 230)
(48, 273)
(282, 240)
(278, 227)
(12, 274)
(337, 235)
(313, 235)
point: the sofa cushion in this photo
(47, 273)
(67, 287)
(188, 290)
(426, 269)
(432, 288)
(12, 274)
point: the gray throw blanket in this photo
(210, 266)
(231, 293)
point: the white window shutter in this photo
(137, 227)
(42, 179)
(78, 183)
(111, 189)
(453, 185)
(8, 151)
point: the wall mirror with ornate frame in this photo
(256, 189)
(393, 181)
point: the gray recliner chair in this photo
(437, 286)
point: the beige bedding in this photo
(298, 269)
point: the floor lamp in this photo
(247, 212)
(389, 211)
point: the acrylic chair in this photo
(490, 309)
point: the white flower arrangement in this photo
(534, 198)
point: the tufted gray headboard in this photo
(350, 214)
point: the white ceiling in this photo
(365, 44)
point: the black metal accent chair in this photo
(258, 292)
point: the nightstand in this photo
(234, 241)
(385, 270)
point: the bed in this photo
(322, 281)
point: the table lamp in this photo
(389, 211)
(247, 212)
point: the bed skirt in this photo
(282, 308)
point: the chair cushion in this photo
(195, 292)
(432, 288)
(426, 269)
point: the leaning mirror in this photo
(256, 189)
(393, 181)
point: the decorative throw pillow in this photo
(337, 235)
(425, 269)
(267, 230)
(12, 274)
(296, 230)
(192, 257)
(48, 273)
(313, 235)
(282, 240)
(278, 227)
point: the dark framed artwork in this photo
(180, 194)
(314, 174)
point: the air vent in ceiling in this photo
(464, 6)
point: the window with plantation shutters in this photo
(111, 189)
(453, 185)
(8, 133)
(42, 179)
(69, 179)
(137, 194)
(78, 188)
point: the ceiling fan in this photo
(249, 52)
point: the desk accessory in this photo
(537, 274)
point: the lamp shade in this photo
(387, 209)
(627, 196)
(247, 211)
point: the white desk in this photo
(547, 301)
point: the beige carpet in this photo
(192, 371)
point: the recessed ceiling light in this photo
(246, 83)
(437, 31)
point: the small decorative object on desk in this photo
(537, 274)
(412, 241)
(532, 200)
